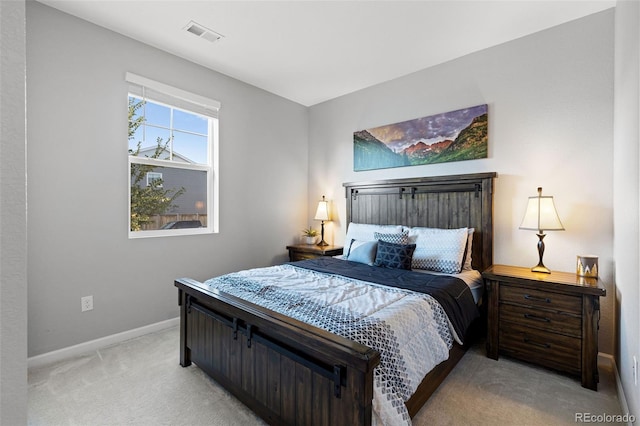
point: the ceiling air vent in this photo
(202, 32)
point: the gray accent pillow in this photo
(362, 251)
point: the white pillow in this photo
(440, 250)
(365, 231)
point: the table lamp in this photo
(541, 215)
(322, 213)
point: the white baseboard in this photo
(93, 345)
(610, 362)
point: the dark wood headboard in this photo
(436, 202)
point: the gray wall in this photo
(626, 191)
(13, 215)
(550, 98)
(78, 177)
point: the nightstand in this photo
(547, 319)
(311, 251)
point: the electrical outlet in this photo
(635, 370)
(86, 303)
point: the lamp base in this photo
(541, 268)
(322, 242)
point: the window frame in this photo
(151, 179)
(183, 101)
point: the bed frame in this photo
(289, 372)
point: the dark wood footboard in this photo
(287, 372)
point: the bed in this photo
(290, 372)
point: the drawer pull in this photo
(531, 342)
(536, 318)
(537, 298)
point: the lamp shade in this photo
(541, 214)
(322, 213)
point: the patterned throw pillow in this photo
(364, 231)
(439, 250)
(397, 256)
(396, 238)
(362, 251)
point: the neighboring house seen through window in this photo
(173, 158)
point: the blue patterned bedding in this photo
(410, 329)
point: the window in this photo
(173, 158)
(154, 179)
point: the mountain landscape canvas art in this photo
(451, 136)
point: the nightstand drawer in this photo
(557, 322)
(548, 349)
(311, 251)
(301, 256)
(541, 299)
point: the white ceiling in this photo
(312, 51)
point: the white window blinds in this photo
(149, 89)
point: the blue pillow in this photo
(397, 256)
(362, 251)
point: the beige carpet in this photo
(140, 382)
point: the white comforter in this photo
(414, 335)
